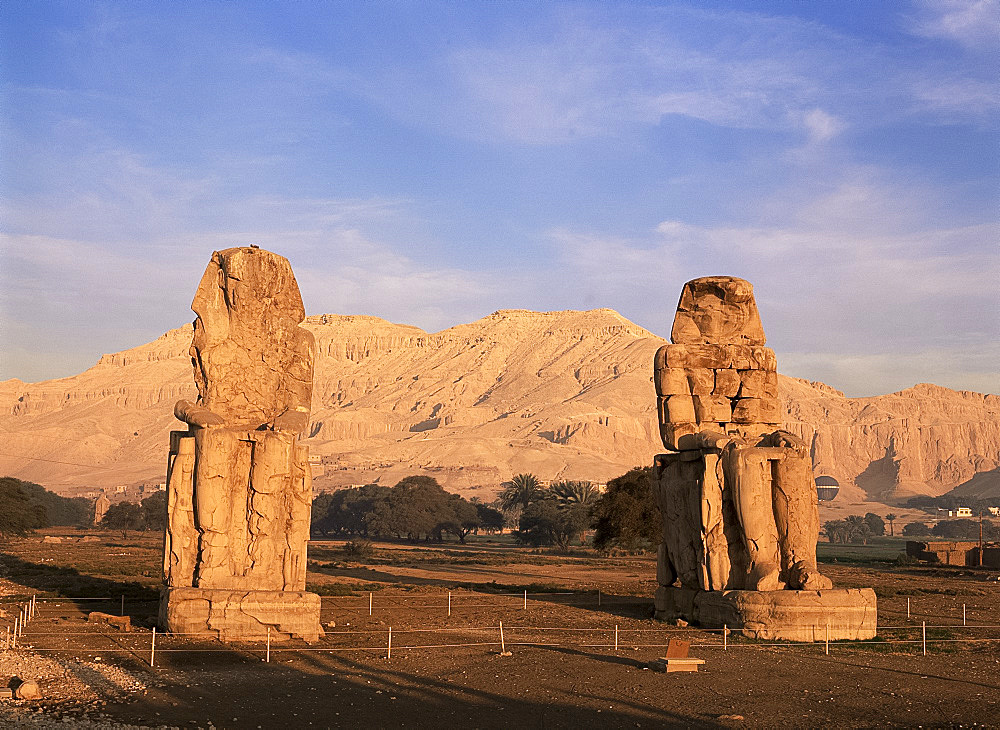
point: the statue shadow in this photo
(416, 688)
(86, 592)
(633, 607)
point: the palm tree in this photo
(890, 518)
(569, 493)
(519, 492)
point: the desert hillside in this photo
(560, 394)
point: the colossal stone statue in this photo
(736, 492)
(238, 482)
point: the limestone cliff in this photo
(561, 394)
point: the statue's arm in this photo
(784, 439)
(196, 415)
(294, 420)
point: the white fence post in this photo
(616, 637)
(449, 603)
(725, 637)
(924, 633)
(525, 599)
(388, 648)
(152, 648)
(268, 658)
(369, 604)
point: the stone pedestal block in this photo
(240, 615)
(789, 615)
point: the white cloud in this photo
(591, 74)
(971, 23)
(853, 276)
(820, 126)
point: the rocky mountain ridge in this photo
(561, 394)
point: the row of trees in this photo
(25, 506)
(960, 529)
(415, 508)
(150, 514)
(855, 529)
(418, 508)
(624, 516)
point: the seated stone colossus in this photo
(239, 490)
(736, 492)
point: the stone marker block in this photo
(28, 690)
(122, 623)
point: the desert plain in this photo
(560, 614)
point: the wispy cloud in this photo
(595, 74)
(974, 24)
(841, 277)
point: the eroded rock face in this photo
(238, 481)
(736, 493)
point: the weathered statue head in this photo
(717, 310)
(253, 363)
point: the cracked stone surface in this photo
(238, 482)
(736, 493)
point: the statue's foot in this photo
(808, 579)
(764, 577)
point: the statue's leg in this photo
(267, 510)
(716, 546)
(678, 492)
(222, 468)
(299, 500)
(797, 516)
(180, 538)
(749, 474)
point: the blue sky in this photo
(430, 163)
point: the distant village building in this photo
(957, 512)
(316, 465)
(101, 505)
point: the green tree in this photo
(916, 529)
(491, 520)
(859, 529)
(625, 516)
(464, 518)
(18, 514)
(875, 524)
(837, 531)
(520, 492)
(317, 520)
(545, 523)
(891, 519)
(154, 511)
(123, 516)
(569, 493)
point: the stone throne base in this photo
(240, 615)
(789, 615)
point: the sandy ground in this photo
(563, 670)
